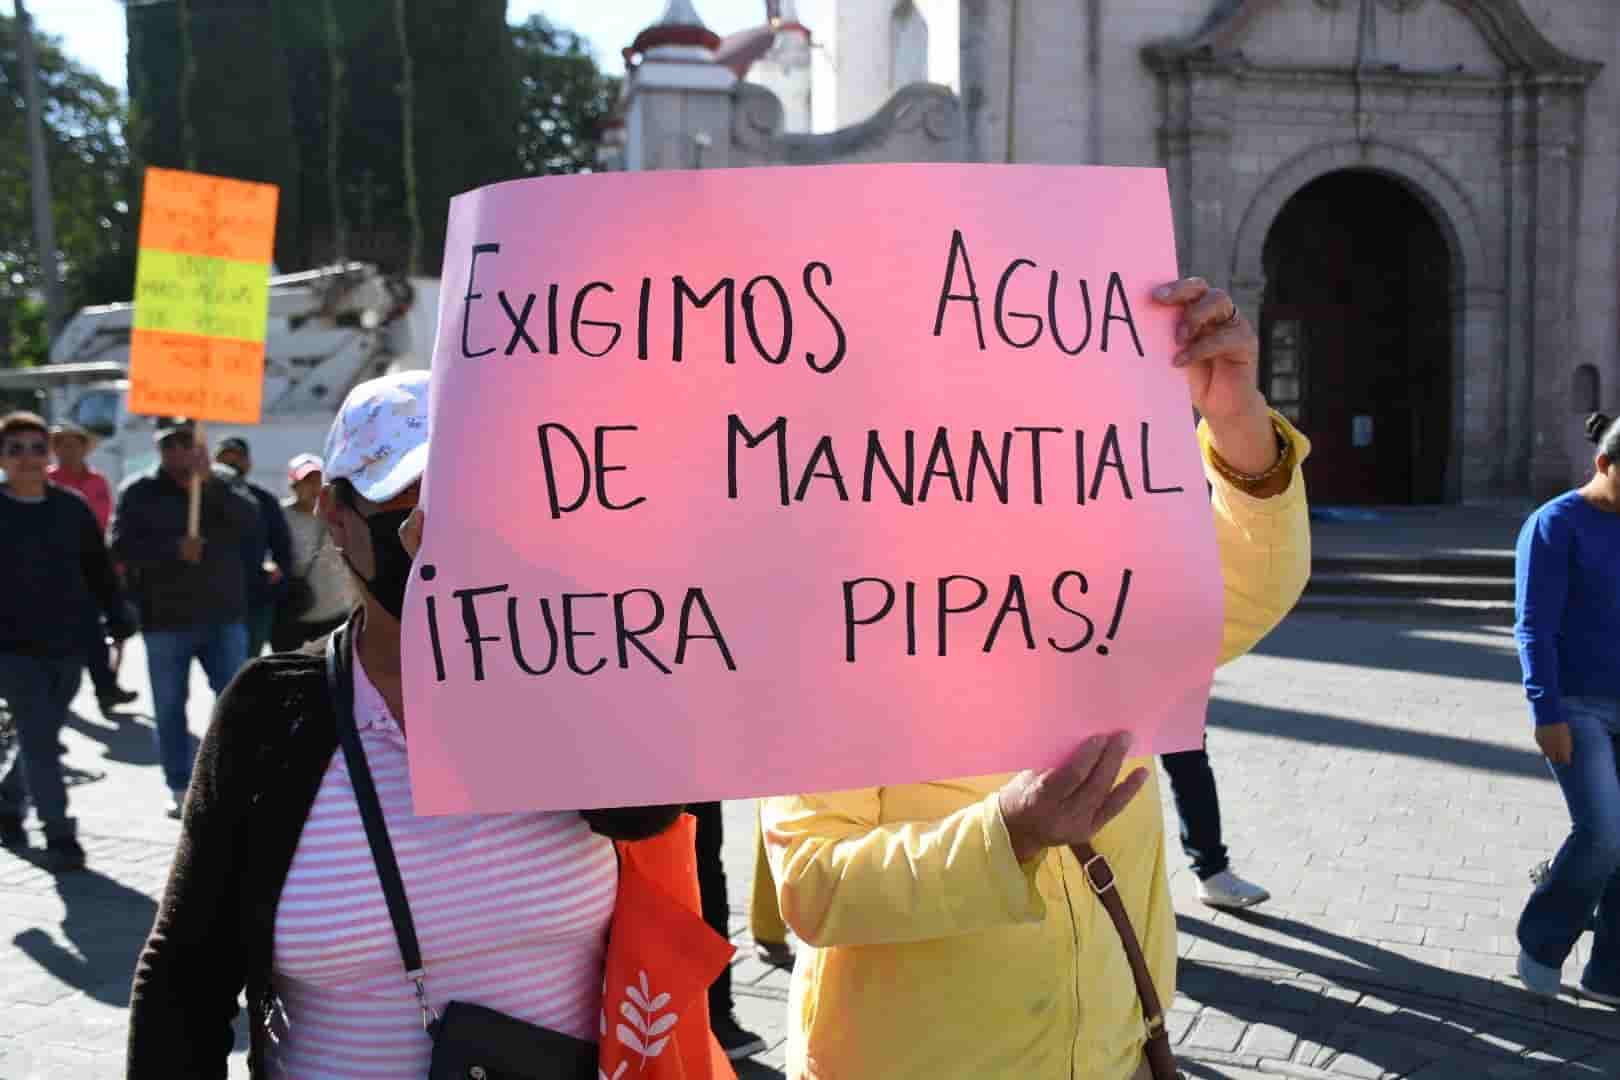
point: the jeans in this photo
(711, 875)
(1199, 807)
(38, 691)
(221, 648)
(1584, 874)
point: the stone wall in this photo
(861, 53)
(920, 123)
(1591, 30)
(1481, 117)
(1523, 173)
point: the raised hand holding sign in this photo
(725, 501)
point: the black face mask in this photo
(387, 585)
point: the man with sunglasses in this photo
(192, 590)
(55, 579)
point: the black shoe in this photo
(12, 835)
(776, 954)
(737, 1041)
(114, 698)
(63, 855)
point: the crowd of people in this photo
(93, 569)
(994, 926)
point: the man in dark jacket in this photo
(56, 582)
(264, 579)
(191, 589)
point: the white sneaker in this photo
(177, 804)
(1585, 991)
(1538, 978)
(1229, 892)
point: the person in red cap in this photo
(317, 598)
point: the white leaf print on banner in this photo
(646, 1031)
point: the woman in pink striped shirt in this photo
(274, 887)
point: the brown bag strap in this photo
(1100, 876)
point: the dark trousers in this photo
(712, 887)
(1198, 804)
(38, 691)
(98, 660)
(261, 615)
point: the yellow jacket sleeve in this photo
(847, 879)
(1265, 548)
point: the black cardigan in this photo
(257, 773)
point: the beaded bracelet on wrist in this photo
(1243, 480)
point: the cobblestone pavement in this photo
(1379, 778)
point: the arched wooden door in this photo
(1356, 338)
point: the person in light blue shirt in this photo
(1568, 629)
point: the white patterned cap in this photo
(379, 441)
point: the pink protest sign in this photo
(762, 481)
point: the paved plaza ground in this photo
(1378, 777)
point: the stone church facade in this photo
(1418, 201)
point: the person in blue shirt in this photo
(1568, 629)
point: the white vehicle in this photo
(328, 329)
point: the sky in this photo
(93, 30)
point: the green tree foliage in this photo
(25, 342)
(466, 107)
(261, 107)
(366, 173)
(565, 99)
(239, 106)
(84, 135)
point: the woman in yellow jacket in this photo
(950, 931)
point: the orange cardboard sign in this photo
(199, 377)
(202, 283)
(193, 214)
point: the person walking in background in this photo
(1198, 805)
(1568, 630)
(737, 1041)
(70, 445)
(191, 590)
(316, 598)
(765, 920)
(55, 581)
(266, 552)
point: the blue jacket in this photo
(1568, 601)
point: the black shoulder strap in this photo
(340, 684)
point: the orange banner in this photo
(196, 214)
(198, 377)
